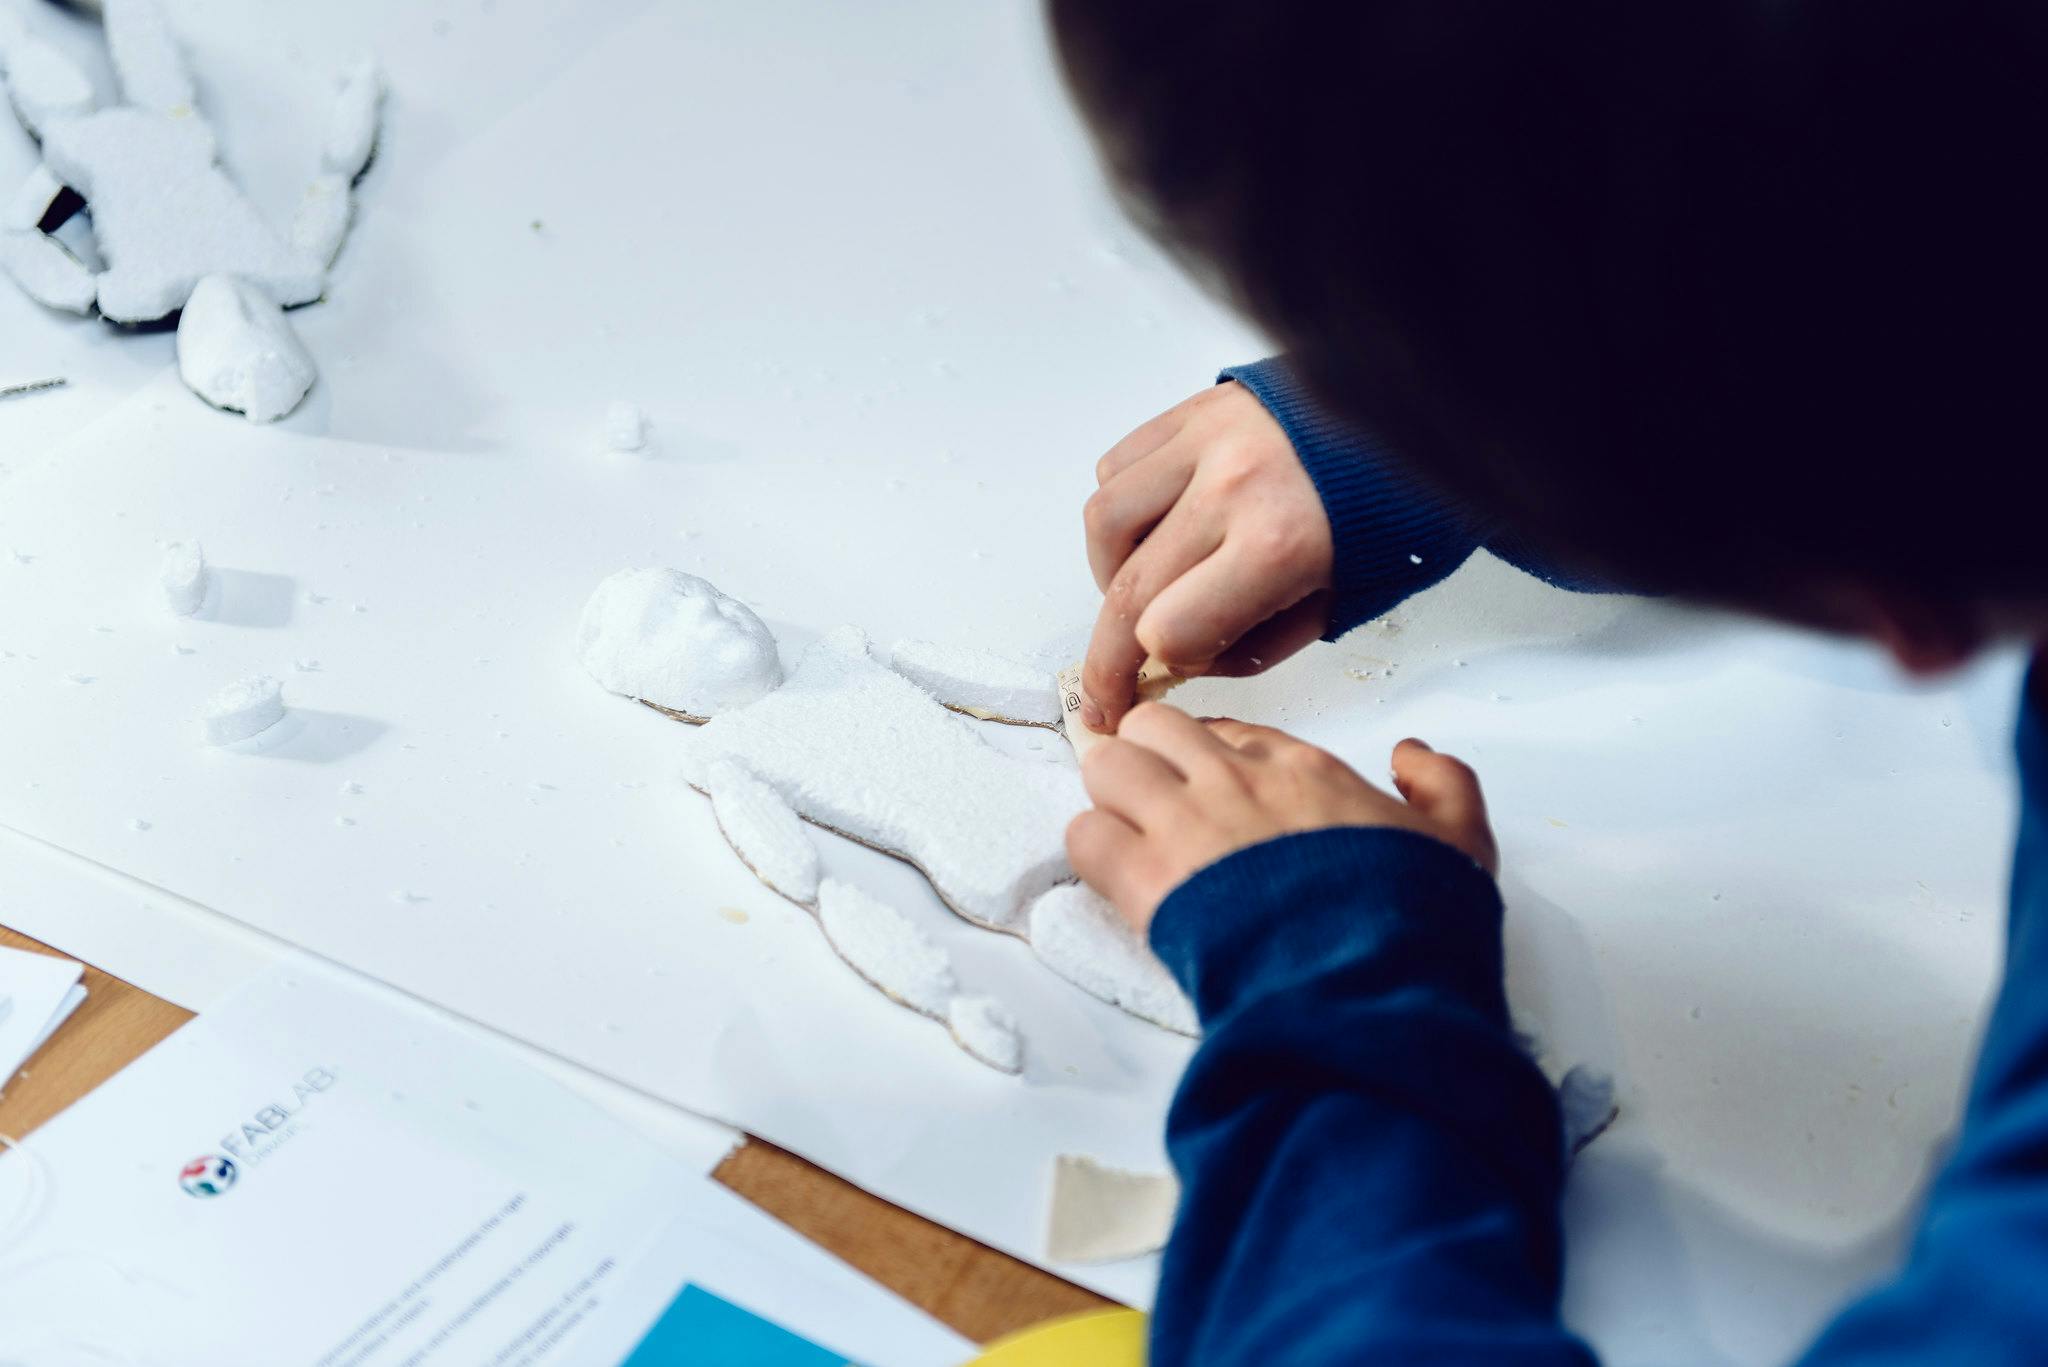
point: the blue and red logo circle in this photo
(208, 1175)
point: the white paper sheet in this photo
(881, 338)
(39, 992)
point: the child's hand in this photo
(1173, 795)
(1210, 546)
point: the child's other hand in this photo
(1210, 546)
(1173, 795)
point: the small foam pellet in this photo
(676, 641)
(320, 225)
(1585, 1102)
(625, 426)
(245, 708)
(352, 126)
(42, 82)
(1077, 934)
(764, 831)
(33, 200)
(165, 216)
(237, 350)
(883, 946)
(46, 271)
(147, 59)
(185, 578)
(857, 747)
(987, 1031)
(980, 683)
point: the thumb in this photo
(1444, 789)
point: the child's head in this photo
(1742, 300)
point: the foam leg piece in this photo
(352, 127)
(42, 82)
(860, 749)
(767, 835)
(237, 351)
(165, 216)
(243, 709)
(882, 945)
(147, 59)
(185, 578)
(33, 200)
(322, 221)
(979, 683)
(987, 1031)
(1080, 936)
(46, 271)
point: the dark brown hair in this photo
(1703, 295)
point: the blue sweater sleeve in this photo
(1370, 1165)
(1394, 535)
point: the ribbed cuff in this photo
(1392, 909)
(1394, 535)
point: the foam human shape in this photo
(980, 683)
(46, 271)
(42, 82)
(165, 216)
(1081, 937)
(185, 578)
(352, 125)
(764, 831)
(248, 707)
(674, 640)
(147, 59)
(855, 747)
(882, 945)
(321, 224)
(986, 1030)
(237, 350)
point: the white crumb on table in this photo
(674, 640)
(763, 831)
(184, 578)
(980, 682)
(1077, 934)
(625, 427)
(245, 708)
(987, 1031)
(237, 350)
(882, 945)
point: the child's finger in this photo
(1128, 506)
(1105, 851)
(1204, 612)
(1440, 786)
(1109, 676)
(1249, 740)
(1134, 781)
(1185, 743)
(1142, 441)
(1275, 639)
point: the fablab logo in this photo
(209, 1175)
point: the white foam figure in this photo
(763, 830)
(1080, 936)
(245, 708)
(237, 350)
(42, 83)
(352, 126)
(321, 224)
(858, 748)
(147, 59)
(987, 1031)
(882, 945)
(185, 578)
(165, 216)
(980, 683)
(625, 427)
(46, 271)
(674, 640)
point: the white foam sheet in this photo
(1771, 905)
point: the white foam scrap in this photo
(321, 223)
(185, 577)
(979, 682)
(1077, 934)
(676, 641)
(764, 831)
(859, 748)
(987, 1031)
(33, 200)
(147, 59)
(625, 426)
(165, 216)
(1103, 1214)
(883, 946)
(1585, 1100)
(237, 350)
(352, 127)
(43, 83)
(243, 709)
(46, 271)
